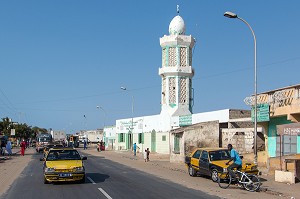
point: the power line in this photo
(158, 85)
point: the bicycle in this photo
(250, 182)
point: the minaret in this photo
(176, 71)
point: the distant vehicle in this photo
(63, 165)
(73, 141)
(211, 161)
(42, 140)
(58, 136)
(33, 143)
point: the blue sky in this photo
(61, 59)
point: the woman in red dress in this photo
(23, 146)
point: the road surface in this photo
(104, 179)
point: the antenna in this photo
(178, 9)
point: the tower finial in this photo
(178, 9)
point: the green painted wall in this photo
(298, 144)
(272, 133)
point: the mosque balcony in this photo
(176, 71)
(177, 40)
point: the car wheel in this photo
(192, 171)
(214, 175)
(46, 181)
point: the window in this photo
(204, 156)
(141, 138)
(219, 155)
(121, 137)
(197, 154)
(163, 138)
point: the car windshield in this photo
(63, 155)
(219, 155)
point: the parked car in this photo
(63, 164)
(33, 143)
(210, 161)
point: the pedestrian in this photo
(101, 145)
(0, 147)
(23, 146)
(145, 155)
(3, 146)
(8, 148)
(148, 153)
(84, 144)
(134, 149)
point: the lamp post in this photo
(233, 15)
(132, 110)
(105, 114)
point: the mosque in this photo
(176, 129)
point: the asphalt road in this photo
(104, 179)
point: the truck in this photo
(58, 136)
(41, 140)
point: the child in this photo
(148, 153)
(145, 155)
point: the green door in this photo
(129, 141)
(153, 141)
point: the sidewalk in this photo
(12, 167)
(159, 162)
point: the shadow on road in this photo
(97, 177)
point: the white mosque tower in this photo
(176, 71)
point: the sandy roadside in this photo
(12, 168)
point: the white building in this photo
(93, 136)
(109, 137)
(163, 133)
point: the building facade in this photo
(283, 126)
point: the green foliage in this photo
(21, 130)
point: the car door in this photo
(195, 159)
(204, 163)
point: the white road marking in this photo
(91, 180)
(104, 193)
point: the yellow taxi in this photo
(63, 164)
(210, 161)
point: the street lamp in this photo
(233, 15)
(105, 114)
(132, 110)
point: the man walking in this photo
(237, 161)
(84, 144)
(8, 148)
(134, 149)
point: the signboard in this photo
(185, 120)
(289, 129)
(12, 132)
(263, 113)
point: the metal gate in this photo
(289, 145)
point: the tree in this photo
(22, 130)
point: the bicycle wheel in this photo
(224, 180)
(251, 182)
